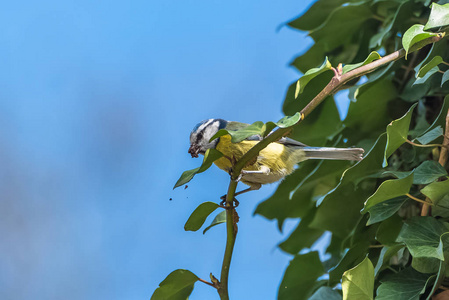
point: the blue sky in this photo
(96, 106)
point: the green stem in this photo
(231, 234)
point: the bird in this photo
(272, 164)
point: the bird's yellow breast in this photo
(278, 158)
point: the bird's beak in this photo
(193, 150)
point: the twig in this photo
(418, 200)
(207, 282)
(444, 154)
(424, 146)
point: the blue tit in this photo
(273, 163)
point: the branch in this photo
(336, 82)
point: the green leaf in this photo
(422, 80)
(439, 279)
(439, 16)
(430, 135)
(178, 285)
(312, 58)
(302, 272)
(414, 35)
(445, 77)
(423, 237)
(339, 210)
(442, 208)
(241, 134)
(302, 237)
(358, 282)
(426, 265)
(435, 61)
(371, 57)
(316, 14)
(389, 189)
(341, 24)
(257, 128)
(219, 219)
(404, 10)
(386, 254)
(199, 216)
(408, 284)
(384, 210)
(210, 156)
(397, 132)
(309, 75)
(428, 172)
(326, 293)
(436, 190)
(288, 121)
(441, 119)
(351, 258)
(389, 230)
(370, 112)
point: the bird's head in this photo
(201, 135)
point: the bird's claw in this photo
(223, 203)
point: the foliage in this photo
(380, 246)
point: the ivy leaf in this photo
(428, 172)
(385, 255)
(397, 132)
(326, 293)
(389, 230)
(210, 156)
(257, 128)
(315, 15)
(341, 24)
(403, 11)
(408, 284)
(426, 77)
(219, 219)
(309, 75)
(199, 216)
(371, 57)
(445, 77)
(413, 36)
(339, 209)
(358, 282)
(435, 61)
(442, 208)
(424, 237)
(436, 190)
(430, 135)
(288, 121)
(300, 276)
(439, 16)
(426, 265)
(302, 237)
(178, 285)
(441, 119)
(384, 210)
(351, 258)
(370, 112)
(439, 279)
(240, 134)
(389, 189)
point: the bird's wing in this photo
(290, 142)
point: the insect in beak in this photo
(193, 150)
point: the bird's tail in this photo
(334, 153)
